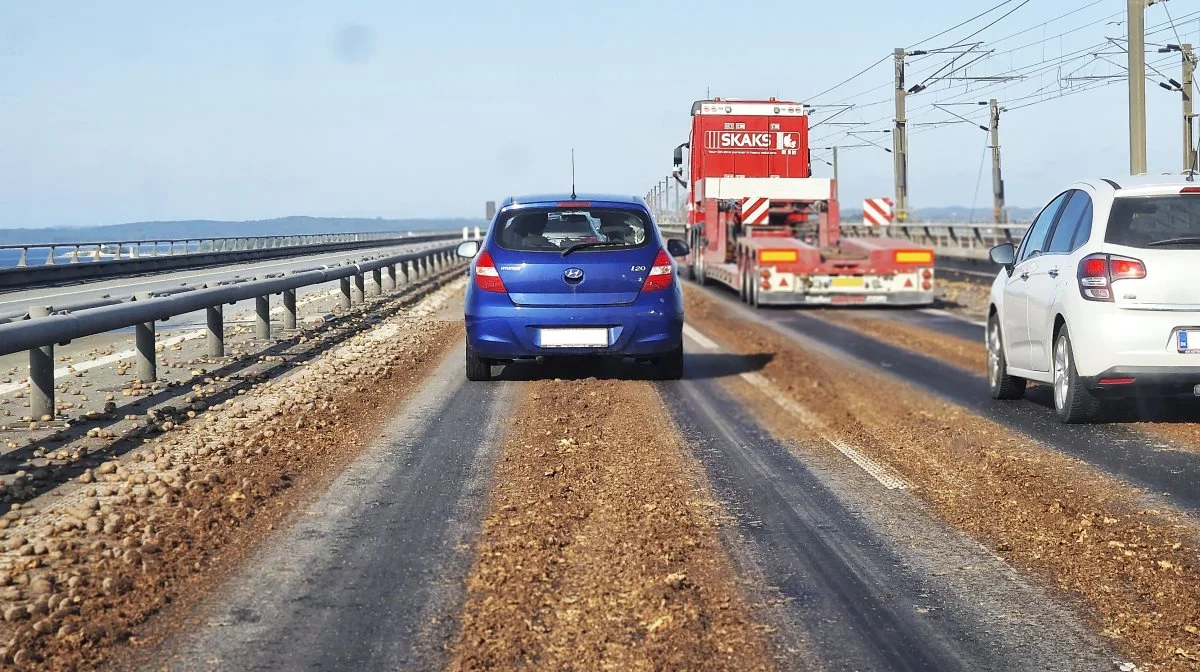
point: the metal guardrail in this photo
(47, 326)
(206, 252)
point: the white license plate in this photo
(585, 338)
(1188, 340)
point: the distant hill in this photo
(210, 228)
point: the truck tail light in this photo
(923, 257)
(661, 273)
(487, 277)
(778, 256)
(1097, 272)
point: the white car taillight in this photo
(1097, 272)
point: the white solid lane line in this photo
(886, 477)
(700, 339)
(945, 313)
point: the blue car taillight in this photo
(661, 273)
(487, 277)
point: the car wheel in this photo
(1000, 384)
(670, 366)
(478, 368)
(1072, 402)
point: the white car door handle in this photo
(1052, 272)
(1024, 276)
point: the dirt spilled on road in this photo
(960, 352)
(1175, 420)
(82, 580)
(1135, 570)
(599, 549)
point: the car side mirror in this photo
(468, 249)
(1004, 254)
(677, 248)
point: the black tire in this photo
(699, 271)
(670, 366)
(1072, 401)
(1000, 384)
(742, 288)
(478, 368)
(752, 288)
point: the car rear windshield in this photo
(1170, 220)
(556, 229)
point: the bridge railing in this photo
(64, 261)
(949, 239)
(968, 241)
(52, 253)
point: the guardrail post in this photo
(75, 255)
(24, 260)
(477, 236)
(346, 299)
(143, 342)
(50, 256)
(262, 317)
(289, 309)
(377, 281)
(215, 336)
(135, 250)
(389, 282)
(359, 291)
(41, 373)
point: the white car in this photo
(1102, 298)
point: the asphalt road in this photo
(825, 537)
(372, 575)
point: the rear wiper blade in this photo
(584, 246)
(1188, 240)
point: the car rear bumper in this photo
(1125, 381)
(845, 299)
(646, 328)
(1109, 338)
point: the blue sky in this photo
(126, 111)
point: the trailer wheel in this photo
(742, 288)
(752, 289)
(700, 278)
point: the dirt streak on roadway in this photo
(1134, 570)
(598, 550)
(81, 580)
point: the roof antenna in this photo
(573, 174)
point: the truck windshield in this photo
(1155, 221)
(555, 229)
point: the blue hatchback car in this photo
(573, 275)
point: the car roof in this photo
(1142, 184)
(538, 199)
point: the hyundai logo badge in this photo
(573, 274)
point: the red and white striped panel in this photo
(877, 211)
(756, 210)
